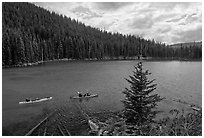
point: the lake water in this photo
(61, 80)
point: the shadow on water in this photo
(22, 127)
(24, 106)
(23, 78)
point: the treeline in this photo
(31, 34)
(191, 50)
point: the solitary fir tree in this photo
(140, 104)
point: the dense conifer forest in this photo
(31, 34)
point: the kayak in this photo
(196, 108)
(36, 100)
(91, 96)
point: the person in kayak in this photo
(87, 94)
(27, 100)
(80, 94)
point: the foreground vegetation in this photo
(31, 34)
(177, 123)
(181, 124)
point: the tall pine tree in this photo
(140, 104)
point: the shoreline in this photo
(105, 59)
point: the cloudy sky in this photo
(164, 22)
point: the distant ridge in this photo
(178, 45)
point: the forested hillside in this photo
(31, 34)
(179, 45)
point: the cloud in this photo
(164, 29)
(85, 13)
(55, 6)
(111, 5)
(106, 24)
(189, 35)
(142, 22)
(193, 18)
(168, 22)
(177, 19)
(169, 6)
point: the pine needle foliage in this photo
(140, 103)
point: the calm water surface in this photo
(61, 80)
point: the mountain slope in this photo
(31, 34)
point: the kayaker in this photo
(87, 94)
(27, 100)
(80, 94)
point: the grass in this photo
(176, 124)
(181, 124)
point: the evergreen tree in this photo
(140, 103)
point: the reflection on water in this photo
(62, 79)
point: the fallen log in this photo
(34, 128)
(60, 130)
(45, 128)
